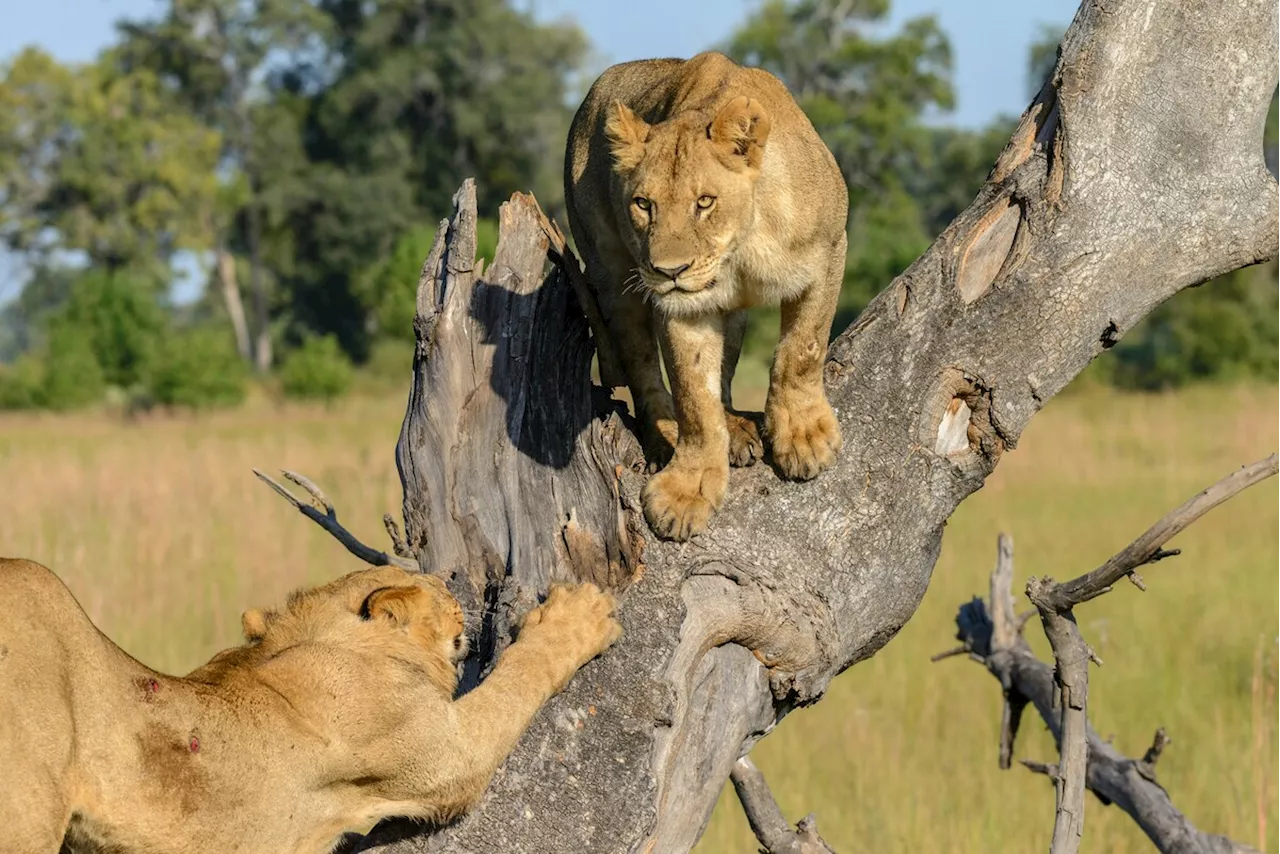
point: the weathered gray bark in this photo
(991, 635)
(1138, 171)
(766, 819)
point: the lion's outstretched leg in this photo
(799, 423)
(574, 625)
(745, 446)
(679, 500)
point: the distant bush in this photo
(20, 384)
(73, 379)
(390, 364)
(199, 368)
(1226, 329)
(121, 319)
(319, 369)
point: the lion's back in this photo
(38, 617)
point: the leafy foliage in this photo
(99, 161)
(199, 368)
(317, 370)
(120, 318)
(21, 384)
(72, 377)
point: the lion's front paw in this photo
(803, 438)
(745, 446)
(579, 620)
(679, 500)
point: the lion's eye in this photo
(457, 642)
(705, 202)
(642, 203)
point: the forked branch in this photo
(992, 635)
(1055, 603)
(329, 521)
(766, 819)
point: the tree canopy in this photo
(309, 147)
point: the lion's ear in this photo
(739, 132)
(393, 604)
(626, 132)
(254, 624)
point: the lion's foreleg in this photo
(799, 423)
(679, 500)
(574, 625)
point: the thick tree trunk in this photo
(1138, 171)
(231, 297)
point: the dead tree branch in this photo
(766, 819)
(1134, 174)
(1072, 654)
(991, 634)
(329, 521)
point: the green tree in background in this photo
(213, 54)
(373, 135)
(100, 162)
(866, 96)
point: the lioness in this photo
(336, 713)
(696, 189)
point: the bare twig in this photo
(1072, 654)
(397, 541)
(1114, 778)
(329, 521)
(1147, 548)
(766, 819)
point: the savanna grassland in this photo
(162, 532)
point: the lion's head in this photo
(383, 610)
(688, 185)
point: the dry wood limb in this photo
(766, 819)
(1072, 654)
(1110, 178)
(991, 635)
(1147, 548)
(329, 521)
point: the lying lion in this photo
(337, 712)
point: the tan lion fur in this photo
(339, 711)
(695, 190)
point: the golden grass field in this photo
(165, 536)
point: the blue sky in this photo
(989, 41)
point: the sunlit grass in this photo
(165, 536)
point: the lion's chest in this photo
(765, 271)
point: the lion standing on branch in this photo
(695, 190)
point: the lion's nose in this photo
(671, 273)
